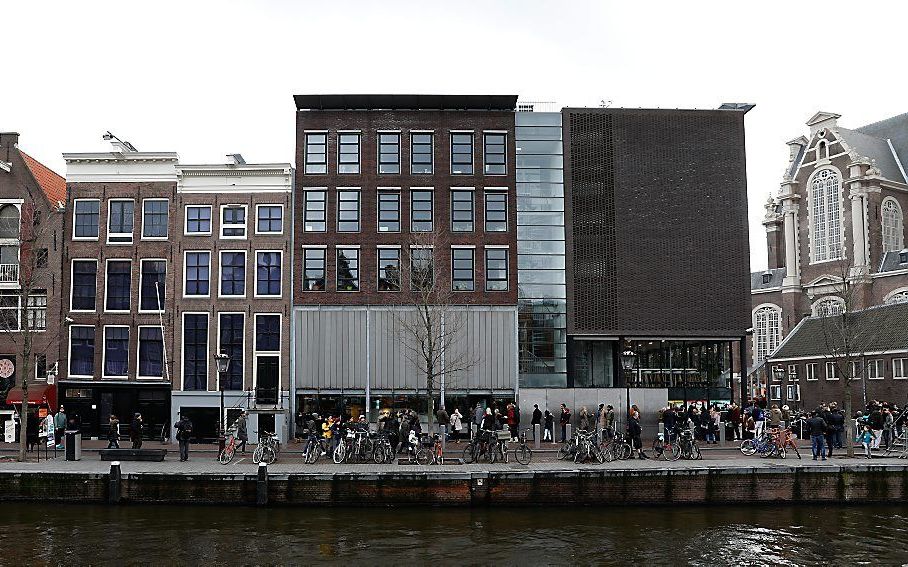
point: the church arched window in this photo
(893, 225)
(825, 216)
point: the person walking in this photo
(816, 425)
(456, 425)
(113, 433)
(184, 432)
(564, 419)
(536, 420)
(241, 432)
(866, 438)
(548, 432)
(136, 428)
(59, 427)
(31, 428)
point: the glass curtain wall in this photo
(540, 250)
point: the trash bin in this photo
(73, 445)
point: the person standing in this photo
(135, 430)
(609, 421)
(817, 428)
(876, 421)
(113, 432)
(512, 420)
(536, 420)
(59, 427)
(866, 438)
(444, 420)
(668, 422)
(564, 420)
(635, 432)
(775, 416)
(548, 433)
(478, 414)
(584, 421)
(456, 425)
(888, 425)
(241, 432)
(31, 428)
(184, 432)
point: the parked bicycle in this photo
(226, 456)
(268, 449)
(382, 451)
(618, 447)
(666, 449)
(315, 448)
(522, 453)
(764, 446)
(688, 447)
(484, 444)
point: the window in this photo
(828, 307)
(316, 152)
(778, 373)
(875, 369)
(116, 351)
(314, 211)
(154, 218)
(899, 368)
(120, 221)
(496, 211)
(496, 269)
(389, 212)
(495, 160)
(462, 269)
(198, 220)
(233, 221)
(41, 366)
(9, 311)
(462, 154)
(347, 269)
(151, 285)
(198, 274)
(767, 331)
(151, 352)
(900, 296)
(88, 215)
(388, 152)
(812, 369)
(84, 285)
(389, 269)
(775, 392)
(421, 153)
(348, 211)
(268, 332)
(195, 351)
(36, 310)
(119, 276)
(461, 211)
(269, 219)
(41, 258)
(792, 372)
(832, 373)
(348, 153)
(9, 221)
(893, 226)
(313, 269)
(421, 211)
(857, 370)
(231, 342)
(268, 274)
(793, 393)
(825, 215)
(422, 268)
(81, 350)
(233, 273)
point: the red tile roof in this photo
(53, 185)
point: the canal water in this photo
(41, 534)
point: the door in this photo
(267, 376)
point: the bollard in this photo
(261, 485)
(444, 439)
(662, 429)
(537, 435)
(113, 490)
(722, 432)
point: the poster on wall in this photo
(9, 432)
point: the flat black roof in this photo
(404, 102)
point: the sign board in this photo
(9, 432)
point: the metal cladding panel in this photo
(656, 202)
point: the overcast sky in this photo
(210, 78)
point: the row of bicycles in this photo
(267, 450)
(585, 446)
(370, 446)
(774, 442)
(495, 446)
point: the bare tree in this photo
(430, 324)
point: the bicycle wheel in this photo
(658, 448)
(565, 451)
(676, 452)
(607, 453)
(227, 454)
(493, 452)
(378, 454)
(523, 454)
(269, 455)
(695, 452)
(313, 453)
(597, 453)
(581, 453)
(422, 456)
(748, 447)
(469, 453)
(624, 451)
(257, 454)
(782, 452)
(339, 453)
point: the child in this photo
(548, 433)
(867, 438)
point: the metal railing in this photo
(9, 273)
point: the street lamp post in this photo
(222, 361)
(628, 358)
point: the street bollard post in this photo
(261, 485)
(113, 494)
(537, 435)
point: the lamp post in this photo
(628, 358)
(222, 362)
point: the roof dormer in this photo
(822, 120)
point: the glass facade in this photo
(540, 251)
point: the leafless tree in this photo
(431, 325)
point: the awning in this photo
(38, 394)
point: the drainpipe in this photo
(368, 365)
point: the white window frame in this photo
(431, 133)
(879, 369)
(773, 336)
(185, 265)
(359, 151)
(110, 234)
(222, 225)
(485, 267)
(337, 209)
(388, 191)
(257, 353)
(107, 282)
(86, 238)
(139, 291)
(820, 304)
(359, 255)
(139, 361)
(451, 134)
(221, 274)
(486, 191)
(811, 371)
(104, 374)
(72, 279)
(507, 164)
(69, 354)
(324, 192)
(899, 295)
(255, 291)
(400, 153)
(793, 373)
(186, 220)
(796, 388)
(900, 364)
(777, 372)
(822, 249)
(217, 341)
(167, 226)
(208, 359)
(893, 233)
(255, 328)
(260, 205)
(832, 372)
(306, 151)
(775, 392)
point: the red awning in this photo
(38, 394)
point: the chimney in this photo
(9, 139)
(235, 159)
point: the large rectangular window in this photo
(389, 212)
(899, 368)
(198, 274)
(119, 275)
(151, 352)
(422, 268)
(348, 211)
(347, 269)
(313, 269)
(314, 211)
(9, 310)
(461, 211)
(233, 221)
(84, 285)
(462, 154)
(81, 351)
(155, 218)
(496, 211)
(875, 369)
(462, 269)
(231, 342)
(496, 269)
(421, 152)
(348, 153)
(421, 211)
(36, 310)
(495, 157)
(87, 218)
(268, 274)
(195, 351)
(116, 351)
(268, 332)
(316, 152)
(151, 286)
(269, 219)
(389, 269)
(388, 152)
(120, 221)
(233, 273)
(198, 220)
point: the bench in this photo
(152, 455)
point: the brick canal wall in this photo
(855, 484)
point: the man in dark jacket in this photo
(135, 430)
(184, 431)
(564, 420)
(668, 419)
(444, 420)
(816, 426)
(537, 420)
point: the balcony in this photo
(9, 273)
